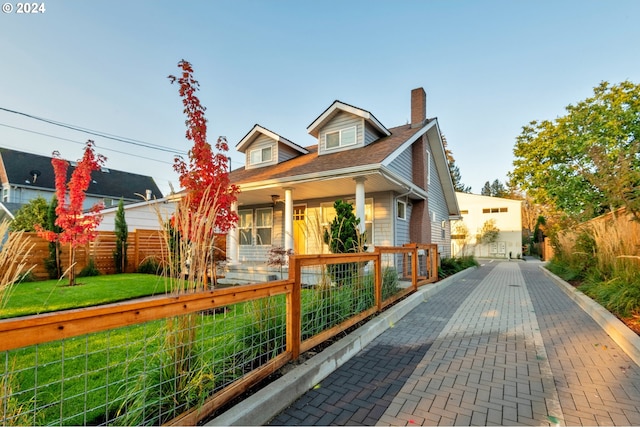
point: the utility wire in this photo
(98, 133)
(82, 143)
(125, 140)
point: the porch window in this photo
(245, 227)
(368, 219)
(264, 226)
(260, 155)
(340, 138)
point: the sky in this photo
(488, 67)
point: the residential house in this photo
(476, 211)
(144, 214)
(397, 179)
(25, 176)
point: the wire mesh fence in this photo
(166, 358)
(144, 374)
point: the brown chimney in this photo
(418, 107)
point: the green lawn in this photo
(52, 295)
(87, 379)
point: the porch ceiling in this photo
(328, 187)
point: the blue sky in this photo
(488, 67)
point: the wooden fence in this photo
(141, 245)
(21, 333)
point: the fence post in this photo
(294, 310)
(136, 251)
(378, 279)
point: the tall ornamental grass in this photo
(604, 256)
(12, 268)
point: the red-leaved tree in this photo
(206, 208)
(78, 228)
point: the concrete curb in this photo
(262, 406)
(628, 340)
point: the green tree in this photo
(122, 233)
(454, 170)
(30, 214)
(488, 233)
(52, 263)
(586, 162)
(343, 237)
(494, 189)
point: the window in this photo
(341, 138)
(260, 155)
(264, 225)
(464, 212)
(495, 210)
(401, 209)
(245, 227)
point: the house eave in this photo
(257, 129)
(314, 128)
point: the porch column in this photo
(233, 238)
(288, 219)
(360, 202)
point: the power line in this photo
(106, 135)
(82, 143)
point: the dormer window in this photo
(341, 138)
(260, 155)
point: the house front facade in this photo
(396, 178)
(476, 212)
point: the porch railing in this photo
(177, 359)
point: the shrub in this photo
(89, 270)
(390, 282)
(450, 266)
(26, 277)
(150, 266)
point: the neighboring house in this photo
(144, 215)
(26, 176)
(397, 178)
(476, 210)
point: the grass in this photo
(91, 379)
(53, 295)
(131, 375)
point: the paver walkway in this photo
(503, 346)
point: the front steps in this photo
(250, 273)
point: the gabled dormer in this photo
(345, 127)
(263, 147)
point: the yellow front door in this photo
(300, 230)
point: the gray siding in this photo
(438, 211)
(286, 153)
(370, 135)
(341, 121)
(383, 219)
(403, 165)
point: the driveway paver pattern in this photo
(502, 346)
